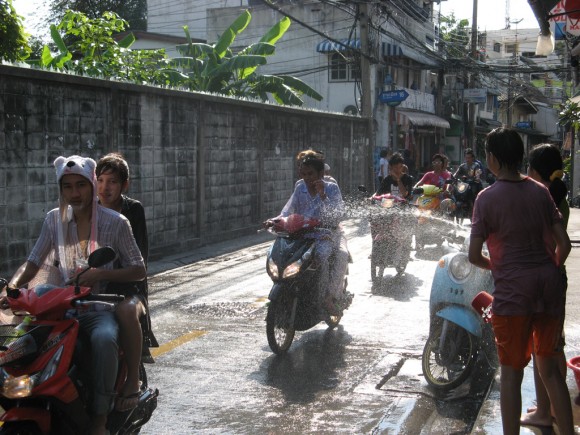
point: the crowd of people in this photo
(521, 218)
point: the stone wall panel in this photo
(206, 168)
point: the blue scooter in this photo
(456, 330)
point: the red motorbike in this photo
(43, 388)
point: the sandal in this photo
(127, 403)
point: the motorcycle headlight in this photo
(460, 267)
(461, 187)
(272, 268)
(16, 387)
(292, 269)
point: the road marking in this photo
(170, 345)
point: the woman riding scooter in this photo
(316, 198)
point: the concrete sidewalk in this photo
(489, 419)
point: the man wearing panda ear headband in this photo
(69, 234)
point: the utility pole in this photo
(474, 37)
(367, 89)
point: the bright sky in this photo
(491, 13)
(35, 13)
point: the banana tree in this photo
(215, 68)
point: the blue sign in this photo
(393, 96)
(524, 124)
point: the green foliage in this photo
(215, 68)
(88, 46)
(570, 115)
(95, 52)
(455, 36)
(13, 38)
(134, 12)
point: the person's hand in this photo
(87, 279)
(319, 187)
(268, 223)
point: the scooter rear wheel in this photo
(280, 334)
(448, 362)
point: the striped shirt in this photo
(113, 230)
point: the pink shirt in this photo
(515, 218)
(435, 179)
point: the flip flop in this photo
(127, 403)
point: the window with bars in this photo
(343, 68)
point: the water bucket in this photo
(574, 364)
(481, 303)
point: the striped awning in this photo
(327, 46)
(393, 48)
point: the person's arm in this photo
(563, 245)
(125, 274)
(385, 186)
(475, 254)
(23, 275)
(421, 181)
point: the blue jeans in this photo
(102, 330)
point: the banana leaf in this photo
(230, 33)
(127, 41)
(276, 31)
(301, 87)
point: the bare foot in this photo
(533, 419)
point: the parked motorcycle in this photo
(457, 332)
(295, 297)
(44, 388)
(392, 225)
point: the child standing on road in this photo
(545, 166)
(527, 244)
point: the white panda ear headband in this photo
(85, 167)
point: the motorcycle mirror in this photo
(362, 188)
(101, 256)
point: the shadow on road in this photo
(399, 287)
(311, 365)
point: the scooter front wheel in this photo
(449, 356)
(278, 329)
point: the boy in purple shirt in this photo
(527, 243)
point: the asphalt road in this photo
(216, 373)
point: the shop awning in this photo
(490, 122)
(419, 118)
(327, 46)
(392, 48)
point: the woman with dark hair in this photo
(527, 244)
(546, 167)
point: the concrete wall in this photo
(206, 168)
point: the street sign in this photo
(393, 96)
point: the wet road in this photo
(216, 373)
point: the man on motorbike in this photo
(69, 234)
(397, 182)
(471, 170)
(316, 198)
